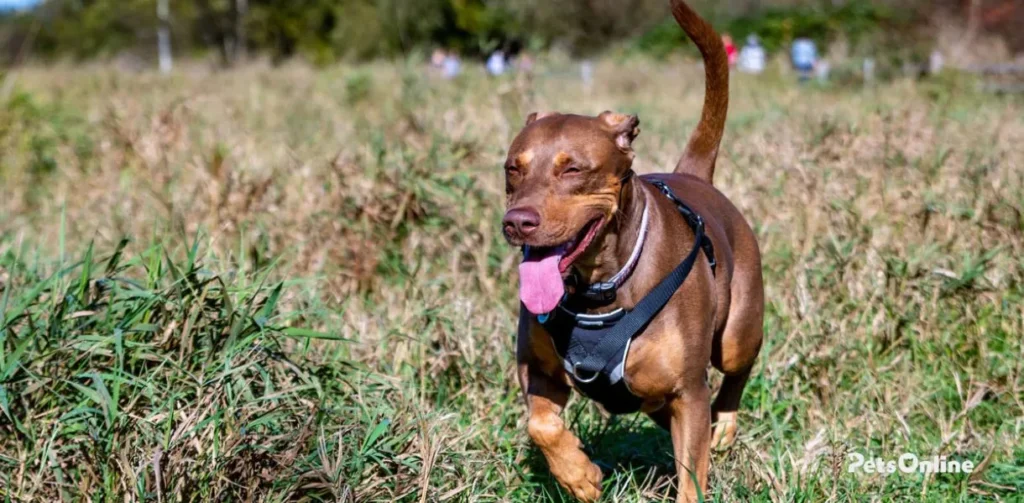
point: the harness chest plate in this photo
(585, 332)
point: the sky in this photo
(17, 4)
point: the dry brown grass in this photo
(890, 219)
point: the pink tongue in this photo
(540, 283)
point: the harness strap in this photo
(696, 221)
(596, 361)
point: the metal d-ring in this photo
(580, 379)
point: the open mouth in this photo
(540, 273)
(568, 252)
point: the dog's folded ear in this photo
(536, 116)
(624, 127)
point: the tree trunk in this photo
(241, 12)
(163, 36)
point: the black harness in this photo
(594, 346)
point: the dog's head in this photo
(563, 177)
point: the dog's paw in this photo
(725, 430)
(585, 484)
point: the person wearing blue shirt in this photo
(805, 56)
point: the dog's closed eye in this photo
(572, 169)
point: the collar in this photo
(604, 291)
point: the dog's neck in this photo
(610, 253)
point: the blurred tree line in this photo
(329, 30)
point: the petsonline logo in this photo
(907, 463)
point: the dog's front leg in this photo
(545, 399)
(690, 425)
(546, 389)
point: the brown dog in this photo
(581, 217)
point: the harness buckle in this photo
(603, 292)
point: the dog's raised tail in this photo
(702, 149)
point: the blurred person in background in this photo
(496, 63)
(452, 66)
(730, 49)
(437, 58)
(752, 57)
(805, 55)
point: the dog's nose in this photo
(521, 222)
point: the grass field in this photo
(314, 301)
